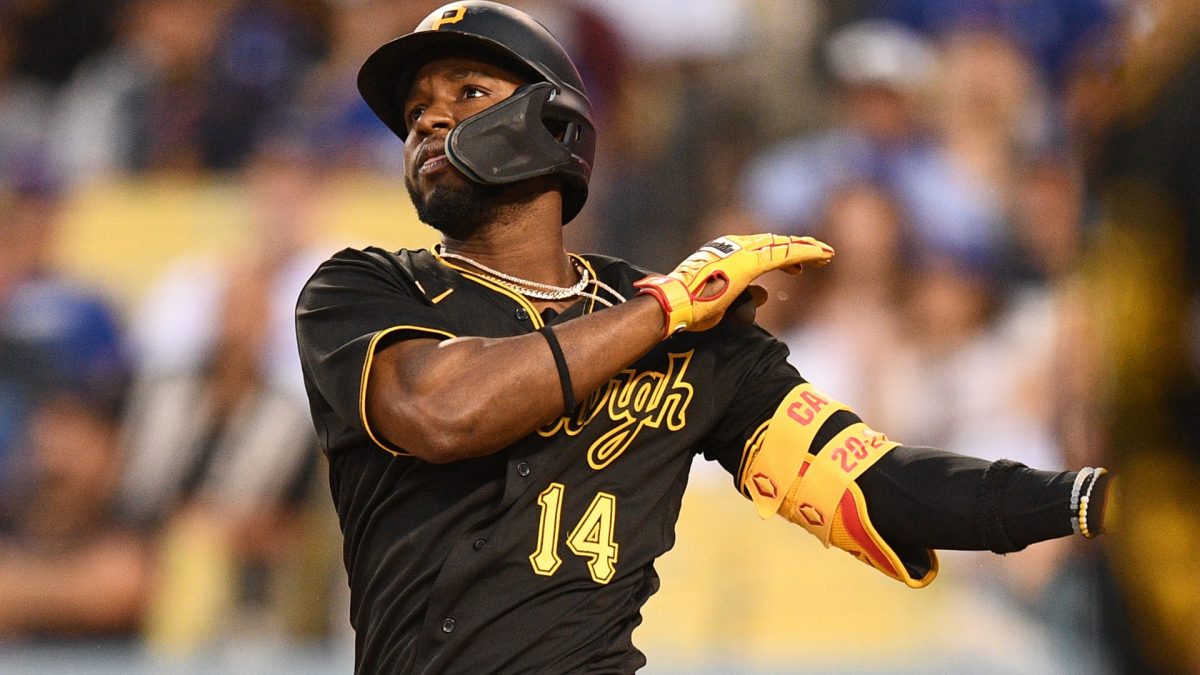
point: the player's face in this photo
(444, 93)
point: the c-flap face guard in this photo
(509, 141)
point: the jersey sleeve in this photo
(754, 379)
(354, 305)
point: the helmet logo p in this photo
(450, 16)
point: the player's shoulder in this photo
(614, 271)
(372, 267)
(410, 264)
(411, 260)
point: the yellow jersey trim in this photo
(366, 372)
(487, 283)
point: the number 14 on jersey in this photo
(592, 537)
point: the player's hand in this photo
(696, 294)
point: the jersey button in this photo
(521, 314)
(523, 469)
(448, 626)
(479, 544)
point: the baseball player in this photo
(510, 426)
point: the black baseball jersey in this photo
(539, 557)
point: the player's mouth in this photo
(435, 163)
(432, 158)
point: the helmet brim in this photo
(386, 75)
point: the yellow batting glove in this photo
(696, 294)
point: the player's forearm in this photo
(891, 506)
(471, 397)
(922, 498)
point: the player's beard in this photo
(459, 210)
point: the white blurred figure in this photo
(991, 111)
(137, 103)
(175, 327)
(849, 312)
(221, 455)
(881, 134)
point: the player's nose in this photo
(438, 116)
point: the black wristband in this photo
(560, 361)
(989, 517)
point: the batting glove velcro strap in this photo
(674, 298)
(692, 301)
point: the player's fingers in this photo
(790, 252)
(823, 252)
(809, 249)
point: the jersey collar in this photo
(521, 300)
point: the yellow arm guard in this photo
(817, 491)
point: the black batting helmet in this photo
(544, 128)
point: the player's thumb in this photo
(744, 308)
(713, 287)
(758, 294)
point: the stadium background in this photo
(1012, 186)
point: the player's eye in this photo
(470, 91)
(414, 113)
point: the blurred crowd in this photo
(1013, 189)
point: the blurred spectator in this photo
(264, 50)
(138, 104)
(991, 111)
(779, 68)
(1090, 99)
(747, 57)
(1046, 313)
(952, 382)
(69, 569)
(1048, 222)
(221, 460)
(221, 432)
(24, 109)
(881, 135)
(330, 113)
(666, 31)
(653, 170)
(1052, 32)
(221, 454)
(53, 331)
(51, 37)
(849, 313)
(221, 331)
(676, 132)
(188, 85)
